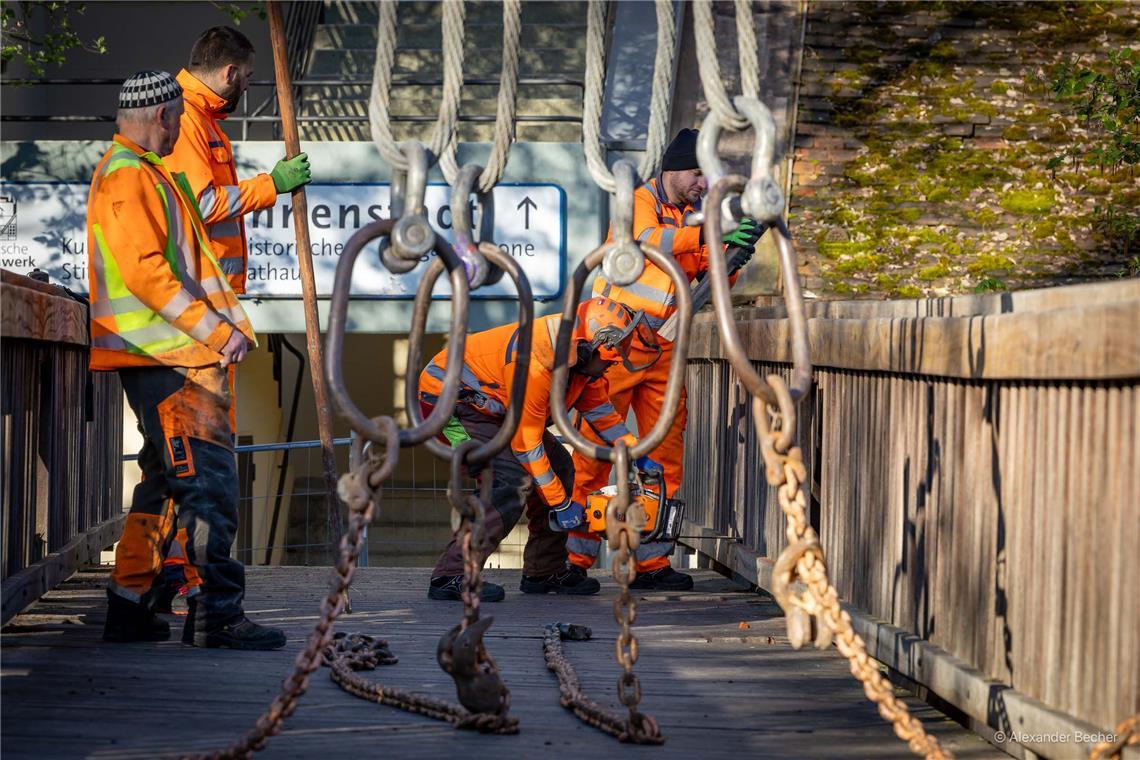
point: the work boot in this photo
(239, 633)
(570, 580)
(663, 579)
(128, 621)
(449, 588)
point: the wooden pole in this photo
(305, 259)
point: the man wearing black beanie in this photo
(659, 208)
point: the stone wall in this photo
(922, 139)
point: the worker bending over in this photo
(534, 473)
(659, 207)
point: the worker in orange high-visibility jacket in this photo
(220, 68)
(659, 207)
(216, 78)
(533, 473)
(163, 315)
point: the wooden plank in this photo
(37, 311)
(1098, 341)
(704, 677)
(1021, 301)
(991, 703)
(27, 586)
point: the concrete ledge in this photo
(27, 586)
(991, 703)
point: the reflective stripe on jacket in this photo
(158, 296)
(658, 222)
(204, 154)
(488, 369)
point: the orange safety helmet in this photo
(611, 328)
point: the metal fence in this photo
(259, 104)
(282, 510)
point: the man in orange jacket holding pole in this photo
(534, 473)
(218, 75)
(659, 208)
(164, 316)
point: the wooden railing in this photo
(61, 445)
(974, 471)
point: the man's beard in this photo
(232, 97)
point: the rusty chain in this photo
(1127, 734)
(802, 560)
(625, 517)
(360, 490)
(801, 565)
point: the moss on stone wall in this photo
(927, 128)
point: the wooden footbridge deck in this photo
(719, 690)
(972, 471)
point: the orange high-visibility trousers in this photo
(644, 391)
(176, 408)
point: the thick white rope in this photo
(657, 136)
(657, 132)
(746, 42)
(443, 142)
(508, 92)
(379, 102)
(444, 139)
(704, 30)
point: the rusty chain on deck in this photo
(800, 580)
(625, 517)
(484, 700)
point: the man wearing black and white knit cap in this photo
(151, 101)
(164, 317)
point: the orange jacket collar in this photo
(149, 155)
(198, 94)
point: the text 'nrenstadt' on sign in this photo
(49, 233)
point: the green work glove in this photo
(289, 174)
(744, 236)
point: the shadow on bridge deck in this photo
(718, 690)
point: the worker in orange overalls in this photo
(659, 207)
(165, 318)
(605, 332)
(220, 68)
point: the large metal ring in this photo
(478, 457)
(412, 237)
(479, 272)
(673, 388)
(457, 336)
(624, 263)
(793, 302)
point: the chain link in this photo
(644, 729)
(803, 561)
(360, 490)
(1127, 735)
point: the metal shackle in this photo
(674, 385)
(457, 336)
(793, 303)
(762, 198)
(412, 237)
(624, 262)
(485, 452)
(479, 271)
